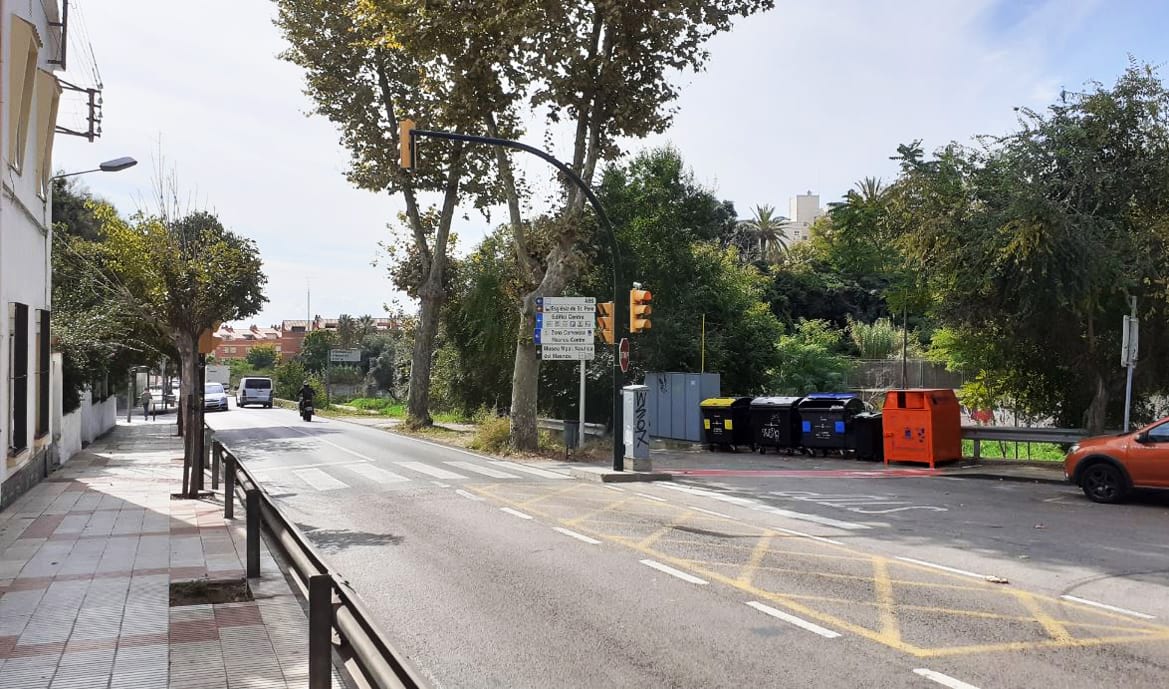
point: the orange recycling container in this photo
(922, 426)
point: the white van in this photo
(254, 391)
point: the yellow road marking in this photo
(653, 537)
(884, 588)
(1054, 628)
(560, 491)
(757, 555)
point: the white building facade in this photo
(30, 43)
(803, 211)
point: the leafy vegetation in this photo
(262, 357)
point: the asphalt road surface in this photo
(504, 574)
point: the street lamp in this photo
(115, 165)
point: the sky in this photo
(811, 96)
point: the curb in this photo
(610, 476)
(1006, 477)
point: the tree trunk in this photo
(191, 407)
(1096, 415)
(525, 382)
(418, 400)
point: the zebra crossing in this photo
(337, 476)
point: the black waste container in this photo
(825, 420)
(868, 441)
(726, 421)
(775, 423)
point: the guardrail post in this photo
(205, 453)
(977, 448)
(229, 486)
(252, 503)
(216, 458)
(320, 631)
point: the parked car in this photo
(1108, 467)
(254, 391)
(214, 397)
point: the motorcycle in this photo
(306, 411)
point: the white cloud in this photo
(809, 96)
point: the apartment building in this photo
(30, 44)
(803, 211)
(286, 338)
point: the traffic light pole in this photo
(620, 306)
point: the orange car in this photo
(1108, 467)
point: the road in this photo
(500, 574)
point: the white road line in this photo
(577, 536)
(319, 480)
(375, 474)
(792, 619)
(515, 513)
(674, 572)
(616, 488)
(542, 473)
(814, 518)
(647, 496)
(423, 468)
(944, 568)
(793, 532)
(944, 680)
(261, 465)
(479, 469)
(689, 489)
(1113, 608)
(469, 496)
(440, 484)
(713, 513)
(331, 444)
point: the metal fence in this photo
(334, 607)
(885, 374)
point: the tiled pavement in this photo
(86, 559)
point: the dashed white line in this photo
(331, 444)
(440, 484)
(577, 536)
(542, 473)
(944, 680)
(792, 619)
(436, 472)
(944, 568)
(469, 496)
(1113, 608)
(674, 572)
(814, 518)
(319, 480)
(515, 513)
(616, 488)
(479, 469)
(801, 534)
(713, 513)
(647, 496)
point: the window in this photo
(22, 69)
(1159, 434)
(18, 375)
(44, 350)
(48, 98)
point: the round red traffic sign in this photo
(624, 355)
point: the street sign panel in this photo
(563, 337)
(567, 352)
(580, 321)
(1130, 341)
(566, 304)
(624, 355)
(348, 356)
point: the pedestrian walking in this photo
(145, 401)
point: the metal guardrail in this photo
(1020, 434)
(334, 607)
(594, 429)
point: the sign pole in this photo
(1131, 328)
(580, 428)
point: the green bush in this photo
(370, 403)
(491, 433)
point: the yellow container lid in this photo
(718, 402)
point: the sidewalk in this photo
(86, 562)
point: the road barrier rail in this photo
(979, 434)
(338, 619)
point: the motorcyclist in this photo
(305, 394)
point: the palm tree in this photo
(767, 228)
(346, 330)
(365, 327)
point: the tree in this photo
(262, 356)
(314, 350)
(809, 360)
(767, 229)
(190, 272)
(346, 331)
(1033, 243)
(360, 78)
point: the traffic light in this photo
(639, 310)
(406, 143)
(605, 321)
